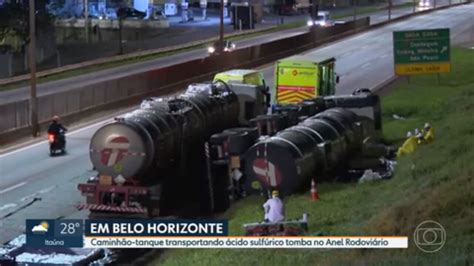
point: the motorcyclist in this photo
(57, 130)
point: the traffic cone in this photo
(314, 191)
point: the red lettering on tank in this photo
(267, 172)
(116, 148)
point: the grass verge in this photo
(439, 187)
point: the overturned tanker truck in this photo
(150, 161)
(154, 161)
(319, 148)
(319, 139)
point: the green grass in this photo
(427, 103)
(360, 11)
(435, 182)
(368, 9)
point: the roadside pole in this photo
(120, 35)
(314, 14)
(389, 9)
(221, 31)
(355, 9)
(10, 64)
(86, 20)
(32, 61)
(414, 5)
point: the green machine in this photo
(298, 79)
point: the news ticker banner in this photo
(180, 234)
(247, 242)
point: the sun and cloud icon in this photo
(40, 228)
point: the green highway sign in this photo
(421, 51)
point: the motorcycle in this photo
(57, 143)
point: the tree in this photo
(14, 23)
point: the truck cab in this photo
(298, 79)
(250, 87)
(246, 76)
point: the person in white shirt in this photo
(274, 210)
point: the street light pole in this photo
(32, 61)
(120, 34)
(221, 31)
(389, 9)
(355, 9)
(314, 10)
(86, 19)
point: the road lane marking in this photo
(67, 134)
(46, 190)
(38, 193)
(12, 187)
(7, 206)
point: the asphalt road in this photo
(94, 77)
(366, 60)
(34, 185)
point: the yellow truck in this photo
(246, 76)
(253, 93)
(298, 79)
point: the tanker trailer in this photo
(312, 149)
(363, 103)
(141, 157)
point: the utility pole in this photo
(221, 32)
(86, 20)
(314, 10)
(355, 9)
(389, 9)
(120, 34)
(32, 57)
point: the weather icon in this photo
(40, 228)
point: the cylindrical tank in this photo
(146, 140)
(241, 140)
(288, 160)
(343, 121)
